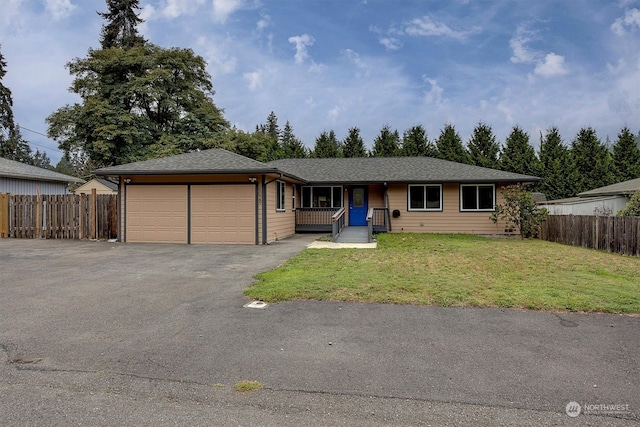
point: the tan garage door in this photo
(156, 213)
(223, 214)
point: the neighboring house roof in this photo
(213, 161)
(19, 170)
(576, 200)
(621, 188)
(104, 182)
(393, 169)
(110, 184)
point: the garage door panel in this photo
(157, 213)
(223, 214)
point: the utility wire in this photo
(41, 134)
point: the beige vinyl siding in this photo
(280, 224)
(100, 188)
(450, 220)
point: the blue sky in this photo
(331, 65)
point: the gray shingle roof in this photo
(215, 160)
(352, 170)
(109, 184)
(625, 187)
(19, 170)
(393, 169)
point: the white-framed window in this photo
(281, 187)
(322, 197)
(477, 197)
(424, 197)
(293, 197)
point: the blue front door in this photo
(358, 206)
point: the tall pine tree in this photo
(449, 146)
(353, 145)
(416, 144)
(12, 144)
(518, 154)
(327, 146)
(138, 101)
(121, 29)
(483, 147)
(592, 161)
(556, 168)
(626, 157)
(387, 143)
(292, 147)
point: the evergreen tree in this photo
(483, 148)
(138, 103)
(271, 128)
(327, 146)
(12, 144)
(592, 161)
(292, 147)
(121, 29)
(518, 155)
(449, 146)
(387, 143)
(353, 145)
(556, 168)
(416, 144)
(41, 160)
(626, 157)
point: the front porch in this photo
(333, 220)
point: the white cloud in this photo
(434, 95)
(223, 8)
(59, 8)
(518, 44)
(10, 13)
(263, 22)
(391, 43)
(426, 26)
(547, 65)
(630, 22)
(254, 79)
(334, 113)
(301, 42)
(219, 55)
(353, 57)
(552, 65)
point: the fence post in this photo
(4, 215)
(94, 214)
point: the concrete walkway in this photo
(350, 237)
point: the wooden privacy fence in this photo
(613, 234)
(68, 216)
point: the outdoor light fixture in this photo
(253, 179)
(127, 180)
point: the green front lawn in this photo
(460, 270)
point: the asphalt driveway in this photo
(113, 334)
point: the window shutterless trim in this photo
(424, 198)
(477, 187)
(281, 191)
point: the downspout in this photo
(119, 209)
(124, 213)
(257, 212)
(264, 210)
(386, 205)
